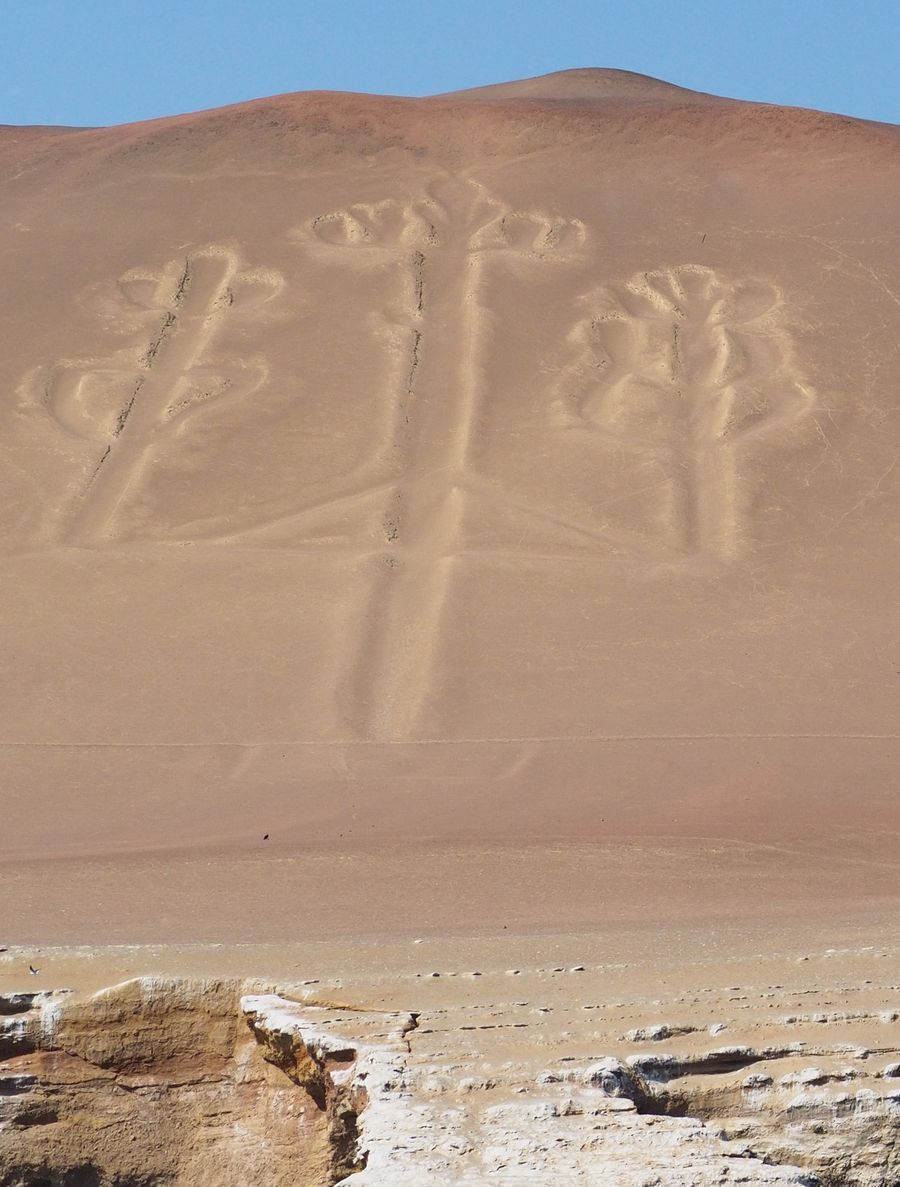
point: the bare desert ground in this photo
(453, 519)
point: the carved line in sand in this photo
(134, 401)
(687, 367)
(679, 363)
(420, 474)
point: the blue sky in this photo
(112, 61)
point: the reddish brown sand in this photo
(492, 498)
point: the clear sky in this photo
(111, 61)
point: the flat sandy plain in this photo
(489, 499)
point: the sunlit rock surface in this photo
(193, 1083)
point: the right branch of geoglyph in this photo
(685, 367)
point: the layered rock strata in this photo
(218, 1082)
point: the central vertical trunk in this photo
(423, 519)
(704, 463)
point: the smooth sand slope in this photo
(492, 498)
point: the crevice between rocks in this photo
(842, 1140)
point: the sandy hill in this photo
(490, 497)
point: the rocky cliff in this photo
(196, 1083)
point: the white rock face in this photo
(454, 1095)
(581, 1124)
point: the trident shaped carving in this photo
(678, 364)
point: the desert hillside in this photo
(449, 632)
(491, 499)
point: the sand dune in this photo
(500, 480)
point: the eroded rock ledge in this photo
(171, 1082)
(175, 1082)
